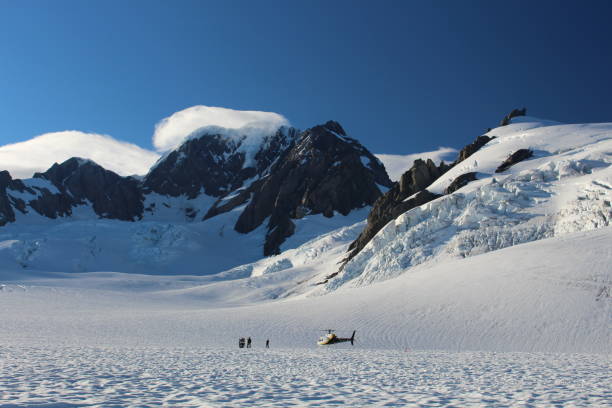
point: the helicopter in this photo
(331, 338)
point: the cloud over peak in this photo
(23, 159)
(171, 131)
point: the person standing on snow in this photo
(268, 343)
(249, 342)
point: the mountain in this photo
(410, 192)
(216, 162)
(510, 254)
(323, 173)
(222, 200)
(526, 180)
(246, 181)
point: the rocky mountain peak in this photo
(335, 127)
(81, 181)
(320, 173)
(215, 164)
(515, 112)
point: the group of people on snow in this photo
(242, 342)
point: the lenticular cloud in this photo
(39, 153)
(23, 159)
(171, 131)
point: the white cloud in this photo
(171, 131)
(397, 164)
(39, 153)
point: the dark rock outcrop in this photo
(473, 147)
(518, 156)
(515, 112)
(459, 182)
(7, 214)
(80, 181)
(396, 202)
(323, 172)
(214, 163)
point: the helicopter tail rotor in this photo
(353, 338)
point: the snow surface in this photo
(166, 242)
(543, 296)
(201, 377)
(100, 339)
(565, 187)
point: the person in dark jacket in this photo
(241, 342)
(249, 342)
(268, 343)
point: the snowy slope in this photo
(159, 246)
(565, 187)
(551, 295)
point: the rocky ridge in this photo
(411, 190)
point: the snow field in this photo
(551, 295)
(566, 187)
(205, 377)
(156, 246)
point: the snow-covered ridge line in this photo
(564, 187)
(259, 173)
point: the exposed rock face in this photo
(398, 199)
(322, 172)
(80, 181)
(394, 202)
(459, 182)
(518, 156)
(67, 185)
(473, 147)
(515, 112)
(7, 214)
(214, 163)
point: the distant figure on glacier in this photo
(268, 343)
(241, 342)
(249, 342)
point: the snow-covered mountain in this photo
(220, 190)
(513, 257)
(528, 180)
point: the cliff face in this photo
(80, 182)
(7, 212)
(408, 193)
(215, 163)
(323, 172)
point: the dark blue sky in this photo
(401, 76)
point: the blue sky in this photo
(401, 76)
